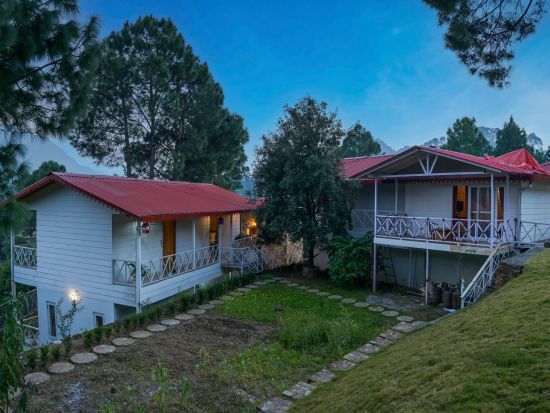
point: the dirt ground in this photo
(121, 381)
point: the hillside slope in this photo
(492, 357)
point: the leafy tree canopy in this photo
(464, 136)
(297, 171)
(359, 142)
(510, 138)
(42, 171)
(483, 33)
(157, 111)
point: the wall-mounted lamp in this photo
(145, 227)
(74, 295)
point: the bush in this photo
(31, 357)
(185, 301)
(202, 295)
(56, 353)
(170, 308)
(88, 339)
(117, 326)
(142, 319)
(44, 355)
(108, 330)
(98, 334)
(127, 322)
(67, 345)
(351, 259)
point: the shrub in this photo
(142, 319)
(158, 313)
(151, 315)
(98, 334)
(170, 308)
(117, 326)
(108, 330)
(202, 295)
(31, 357)
(127, 322)
(56, 353)
(88, 339)
(351, 259)
(67, 345)
(44, 355)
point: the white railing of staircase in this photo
(246, 259)
(249, 241)
(158, 269)
(364, 218)
(445, 229)
(484, 277)
(25, 256)
(533, 232)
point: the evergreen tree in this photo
(510, 138)
(359, 142)
(465, 137)
(158, 112)
(297, 171)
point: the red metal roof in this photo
(149, 199)
(354, 166)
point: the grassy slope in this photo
(492, 357)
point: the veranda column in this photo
(509, 231)
(194, 236)
(492, 210)
(427, 276)
(395, 196)
(374, 253)
(12, 261)
(138, 266)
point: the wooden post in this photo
(194, 236)
(492, 210)
(374, 253)
(506, 216)
(230, 230)
(138, 266)
(12, 262)
(374, 256)
(395, 196)
(427, 275)
(410, 266)
(375, 205)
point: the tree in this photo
(510, 138)
(297, 171)
(158, 112)
(464, 136)
(483, 33)
(359, 142)
(47, 65)
(42, 171)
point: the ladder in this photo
(385, 263)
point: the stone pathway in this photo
(140, 334)
(104, 349)
(36, 378)
(123, 341)
(323, 376)
(156, 328)
(60, 368)
(276, 405)
(299, 390)
(197, 311)
(170, 322)
(184, 317)
(206, 306)
(83, 358)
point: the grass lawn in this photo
(492, 357)
(312, 331)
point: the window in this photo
(98, 319)
(52, 324)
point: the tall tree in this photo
(510, 138)
(464, 136)
(42, 171)
(297, 171)
(483, 33)
(359, 142)
(158, 112)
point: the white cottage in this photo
(116, 243)
(444, 216)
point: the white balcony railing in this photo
(451, 230)
(364, 218)
(158, 269)
(25, 256)
(533, 232)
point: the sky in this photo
(382, 63)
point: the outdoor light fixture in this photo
(145, 227)
(220, 220)
(74, 295)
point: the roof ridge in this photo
(124, 178)
(368, 156)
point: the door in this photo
(169, 244)
(480, 212)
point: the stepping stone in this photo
(276, 405)
(156, 328)
(293, 285)
(215, 302)
(356, 356)
(376, 309)
(276, 278)
(381, 342)
(341, 365)
(36, 378)
(361, 304)
(323, 294)
(405, 318)
(243, 289)
(60, 368)
(313, 290)
(303, 287)
(391, 334)
(104, 349)
(335, 297)
(184, 317)
(170, 322)
(83, 358)
(123, 341)
(369, 348)
(206, 306)
(403, 327)
(140, 334)
(299, 390)
(390, 313)
(348, 300)
(226, 298)
(285, 281)
(235, 293)
(260, 283)
(323, 376)
(196, 311)
(252, 286)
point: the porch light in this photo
(145, 227)
(74, 295)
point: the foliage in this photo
(56, 352)
(67, 345)
(159, 376)
(482, 33)
(351, 259)
(88, 339)
(108, 330)
(359, 142)
(465, 137)
(64, 321)
(98, 334)
(157, 111)
(510, 138)
(11, 366)
(42, 171)
(31, 357)
(44, 355)
(297, 171)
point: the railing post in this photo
(462, 293)
(194, 226)
(492, 228)
(374, 263)
(12, 262)
(375, 206)
(138, 266)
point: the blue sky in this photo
(382, 63)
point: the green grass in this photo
(492, 357)
(312, 331)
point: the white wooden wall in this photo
(429, 200)
(535, 203)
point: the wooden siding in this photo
(429, 200)
(535, 203)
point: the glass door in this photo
(480, 212)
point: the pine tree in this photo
(510, 138)
(359, 142)
(465, 137)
